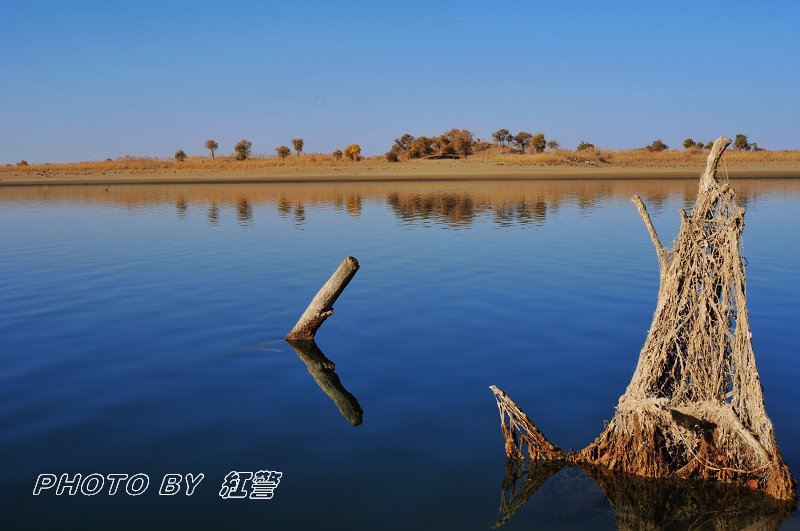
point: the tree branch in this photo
(662, 254)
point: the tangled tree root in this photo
(694, 408)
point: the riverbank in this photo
(371, 170)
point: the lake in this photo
(142, 330)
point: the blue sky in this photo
(89, 80)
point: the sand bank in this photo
(367, 171)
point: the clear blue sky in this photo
(89, 80)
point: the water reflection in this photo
(451, 204)
(647, 503)
(213, 213)
(323, 371)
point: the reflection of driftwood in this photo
(321, 306)
(694, 407)
(652, 504)
(649, 503)
(322, 370)
(519, 484)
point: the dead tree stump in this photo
(694, 407)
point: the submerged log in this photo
(321, 306)
(694, 408)
(323, 371)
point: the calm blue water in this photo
(141, 332)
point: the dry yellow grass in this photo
(633, 157)
(492, 156)
(220, 163)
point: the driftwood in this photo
(321, 306)
(694, 408)
(323, 371)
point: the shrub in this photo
(585, 146)
(180, 155)
(242, 149)
(22, 163)
(657, 145)
(282, 151)
(353, 152)
(553, 145)
(391, 155)
(337, 154)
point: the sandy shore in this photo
(369, 171)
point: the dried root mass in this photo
(694, 407)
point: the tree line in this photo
(243, 150)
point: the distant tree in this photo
(689, 143)
(391, 155)
(353, 152)
(585, 146)
(463, 141)
(538, 142)
(522, 140)
(656, 145)
(420, 147)
(337, 154)
(699, 145)
(754, 147)
(180, 156)
(741, 143)
(22, 163)
(710, 144)
(553, 145)
(282, 151)
(501, 136)
(212, 146)
(403, 144)
(242, 149)
(297, 143)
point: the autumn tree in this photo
(501, 136)
(180, 155)
(242, 149)
(523, 140)
(403, 144)
(538, 142)
(212, 146)
(353, 152)
(741, 143)
(420, 147)
(297, 143)
(282, 151)
(462, 141)
(392, 155)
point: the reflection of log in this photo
(322, 370)
(694, 408)
(321, 306)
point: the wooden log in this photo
(322, 370)
(321, 306)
